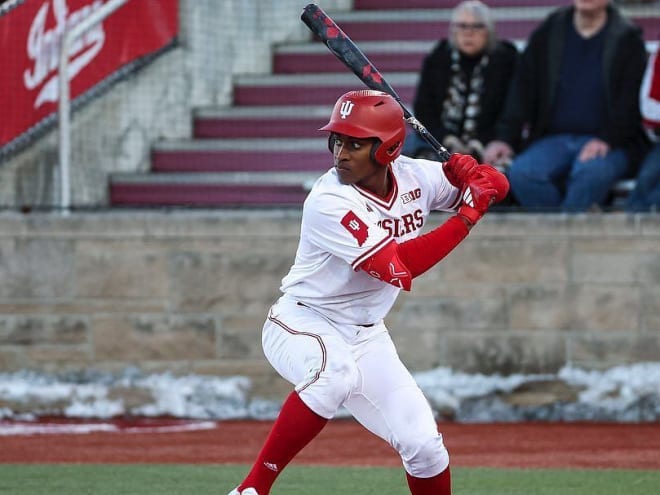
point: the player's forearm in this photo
(425, 251)
(397, 264)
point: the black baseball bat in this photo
(352, 57)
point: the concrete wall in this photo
(188, 292)
(115, 132)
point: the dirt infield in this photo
(343, 442)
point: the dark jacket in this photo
(434, 79)
(532, 92)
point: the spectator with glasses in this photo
(463, 84)
(573, 111)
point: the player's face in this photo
(352, 159)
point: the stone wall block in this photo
(446, 313)
(178, 290)
(11, 359)
(598, 351)
(649, 267)
(81, 306)
(433, 283)
(220, 281)
(420, 349)
(504, 353)
(38, 330)
(36, 268)
(122, 274)
(604, 307)
(615, 260)
(507, 261)
(156, 338)
(54, 358)
(575, 307)
(605, 268)
(239, 336)
(650, 319)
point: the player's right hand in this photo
(458, 168)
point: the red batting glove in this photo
(477, 197)
(497, 179)
(458, 168)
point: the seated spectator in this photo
(463, 84)
(646, 195)
(575, 96)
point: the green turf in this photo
(75, 479)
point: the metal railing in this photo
(64, 87)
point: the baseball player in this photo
(360, 244)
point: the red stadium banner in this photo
(30, 37)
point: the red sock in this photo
(440, 484)
(294, 428)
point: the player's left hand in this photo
(485, 186)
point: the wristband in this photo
(470, 214)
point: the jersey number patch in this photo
(356, 227)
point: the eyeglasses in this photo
(470, 26)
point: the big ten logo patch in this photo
(356, 227)
(411, 196)
(398, 227)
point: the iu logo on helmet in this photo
(346, 108)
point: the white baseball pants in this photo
(358, 367)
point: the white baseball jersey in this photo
(344, 225)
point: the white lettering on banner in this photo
(43, 47)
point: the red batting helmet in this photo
(370, 114)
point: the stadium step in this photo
(211, 189)
(260, 122)
(432, 24)
(265, 150)
(315, 58)
(388, 56)
(240, 155)
(301, 89)
(443, 4)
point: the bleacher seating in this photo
(265, 149)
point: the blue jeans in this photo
(548, 175)
(646, 194)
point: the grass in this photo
(83, 479)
